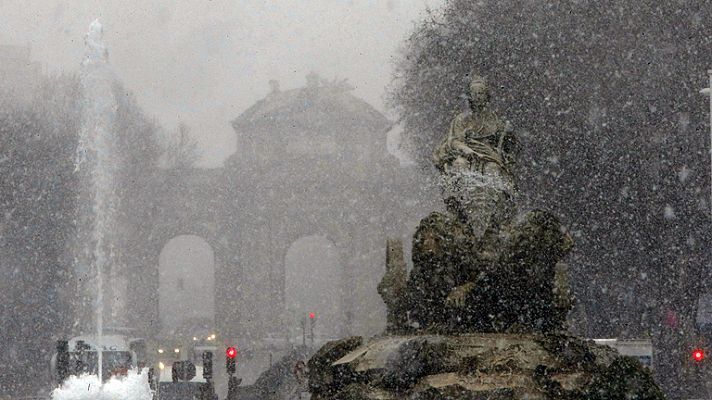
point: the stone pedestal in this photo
(476, 366)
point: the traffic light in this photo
(230, 360)
(698, 355)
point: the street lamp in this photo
(708, 92)
(312, 321)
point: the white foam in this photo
(86, 387)
(468, 179)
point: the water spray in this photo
(95, 158)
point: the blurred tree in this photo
(138, 182)
(40, 207)
(37, 209)
(605, 99)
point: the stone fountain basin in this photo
(491, 351)
(478, 364)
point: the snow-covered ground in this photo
(86, 387)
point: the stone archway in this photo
(186, 287)
(311, 160)
(146, 287)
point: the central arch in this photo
(186, 289)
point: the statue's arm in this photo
(456, 136)
(461, 146)
(451, 145)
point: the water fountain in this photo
(96, 164)
(482, 314)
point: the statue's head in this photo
(479, 92)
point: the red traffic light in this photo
(312, 315)
(698, 355)
(231, 352)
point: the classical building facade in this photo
(310, 161)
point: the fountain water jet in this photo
(96, 163)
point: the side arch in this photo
(144, 290)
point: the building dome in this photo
(323, 119)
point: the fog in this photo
(328, 198)
(204, 62)
(128, 130)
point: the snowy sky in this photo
(203, 62)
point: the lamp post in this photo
(303, 322)
(708, 91)
(312, 321)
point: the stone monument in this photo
(482, 314)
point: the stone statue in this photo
(476, 267)
(518, 290)
(478, 140)
(475, 160)
(482, 313)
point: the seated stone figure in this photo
(478, 139)
(475, 160)
(482, 314)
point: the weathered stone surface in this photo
(455, 386)
(360, 391)
(486, 366)
(326, 380)
(625, 378)
(277, 382)
(503, 282)
(413, 360)
(442, 248)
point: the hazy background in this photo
(604, 97)
(203, 62)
